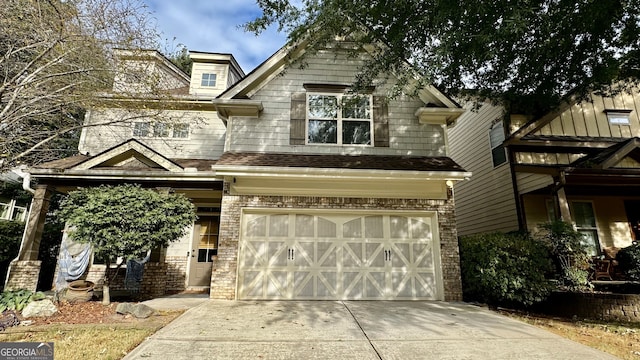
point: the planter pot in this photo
(79, 291)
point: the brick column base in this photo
(23, 275)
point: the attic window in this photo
(208, 80)
(618, 117)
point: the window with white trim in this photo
(496, 138)
(208, 80)
(585, 220)
(339, 119)
(161, 130)
(141, 129)
(618, 117)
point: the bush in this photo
(10, 238)
(568, 253)
(629, 260)
(504, 269)
(17, 300)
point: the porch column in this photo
(561, 197)
(24, 271)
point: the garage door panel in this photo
(277, 253)
(425, 284)
(375, 285)
(277, 285)
(338, 256)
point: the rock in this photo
(40, 308)
(140, 311)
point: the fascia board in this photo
(270, 171)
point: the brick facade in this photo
(176, 274)
(223, 279)
(23, 275)
(598, 306)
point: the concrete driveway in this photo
(352, 330)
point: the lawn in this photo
(90, 331)
(618, 339)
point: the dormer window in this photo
(339, 119)
(208, 80)
(618, 117)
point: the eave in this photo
(438, 115)
(237, 107)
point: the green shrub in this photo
(18, 299)
(10, 238)
(629, 259)
(569, 255)
(504, 269)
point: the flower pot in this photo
(79, 291)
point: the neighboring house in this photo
(303, 189)
(12, 207)
(580, 163)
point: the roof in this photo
(357, 162)
(610, 156)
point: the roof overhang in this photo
(361, 183)
(237, 107)
(438, 115)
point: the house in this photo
(304, 189)
(579, 163)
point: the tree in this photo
(125, 221)
(181, 59)
(528, 54)
(56, 58)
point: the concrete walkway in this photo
(352, 330)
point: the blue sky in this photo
(212, 25)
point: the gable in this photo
(129, 155)
(586, 119)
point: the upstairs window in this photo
(141, 129)
(160, 130)
(496, 138)
(339, 119)
(618, 117)
(208, 80)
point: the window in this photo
(618, 117)
(208, 238)
(551, 210)
(586, 225)
(496, 137)
(181, 131)
(339, 119)
(208, 80)
(161, 130)
(141, 129)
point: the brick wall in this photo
(598, 306)
(154, 279)
(176, 274)
(223, 279)
(23, 275)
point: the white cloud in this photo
(214, 26)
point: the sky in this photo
(212, 26)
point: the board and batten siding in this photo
(270, 132)
(205, 141)
(588, 118)
(485, 203)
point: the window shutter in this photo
(298, 117)
(380, 121)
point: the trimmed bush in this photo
(568, 253)
(629, 260)
(504, 269)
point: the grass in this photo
(90, 341)
(618, 339)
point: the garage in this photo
(309, 255)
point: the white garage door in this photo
(339, 257)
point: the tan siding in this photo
(578, 120)
(485, 202)
(568, 126)
(529, 182)
(206, 134)
(271, 131)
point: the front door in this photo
(633, 216)
(203, 248)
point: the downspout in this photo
(26, 180)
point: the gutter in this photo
(26, 179)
